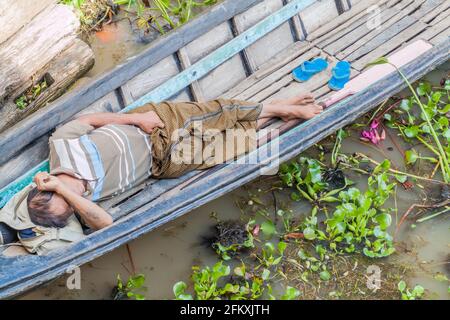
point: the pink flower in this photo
(372, 135)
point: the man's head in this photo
(48, 209)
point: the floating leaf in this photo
(412, 131)
(325, 275)
(411, 156)
(268, 228)
(309, 233)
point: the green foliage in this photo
(307, 177)
(358, 222)
(408, 294)
(30, 95)
(172, 13)
(131, 289)
(218, 283)
(226, 252)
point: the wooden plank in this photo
(435, 30)
(382, 38)
(271, 44)
(362, 39)
(363, 30)
(108, 103)
(248, 60)
(14, 15)
(441, 37)
(210, 41)
(390, 45)
(60, 72)
(316, 83)
(28, 159)
(149, 79)
(18, 55)
(318, 15)
(350, 25)
(222, 78)
(343, 21)
(185, 62)
(441, 16)
(269, 67)
(14, 139)
(436, 12)
(277, 79)
(427, 7)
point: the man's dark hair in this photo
(39, 210)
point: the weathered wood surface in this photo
(14, 139)
(14, 15)
(63, 70)
(35, 46)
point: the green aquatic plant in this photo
(359, 222)
(431, 126)
(130, 289)
(271, 256)
(308, 177)
(218, 283)
(408, 294)
(31, 94)
(174, 13)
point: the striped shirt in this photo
(112, 158)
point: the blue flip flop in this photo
(341, 75)
(308, 69)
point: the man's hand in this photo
(47, 182)
(148, 121)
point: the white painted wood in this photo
(382, 38)
(278, 79)
(391, 45)
(366, 35)
(343, 21)
(209, 42)
(224, 77)
(186, 63)
(319, 14)
(34, 46)
(149, 79)
(271, 66)
(436, 12)
(427, 7)
(14, 15)
(273, 43)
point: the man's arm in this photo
(146, 121)
(92, 214)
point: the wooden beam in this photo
(38, 124)
(185, 62)
(62, 71)
(48, 34)
(14, 15)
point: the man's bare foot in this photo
(306, 112)
(302, 99)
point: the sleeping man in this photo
(99, 156)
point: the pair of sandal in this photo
(340, 73)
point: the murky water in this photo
(166, 255)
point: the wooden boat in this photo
(240, 49)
